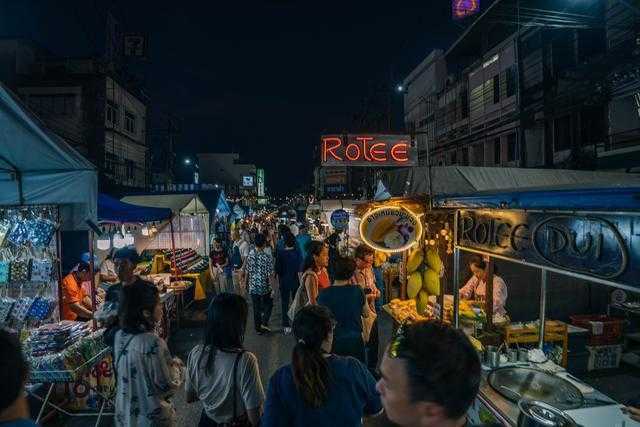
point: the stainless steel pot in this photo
(540, 414)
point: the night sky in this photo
(265, 79)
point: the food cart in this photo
(573, 238)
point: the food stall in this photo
(579, 248)
(187, 232)
(37, 171)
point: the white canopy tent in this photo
(39, 168)
(190, 222)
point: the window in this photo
(454, 158)
(512, 147)
(511, 81)
(110, 162)
(496, 88)
(465, 156)
(113, 113)
(496, 151)
(129, 122)
(562, 133)
(130, 168)
(59, 104)
(478, 155)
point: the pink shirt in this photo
(476, 288)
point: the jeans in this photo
(372, 349)
(286, 296)
(262, 307)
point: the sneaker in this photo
(287, 330)
(265, 329)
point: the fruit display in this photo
(469, 310)
(401, 311)
(424, 267)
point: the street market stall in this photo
(37, 171)
(187, 232)
(576, 240)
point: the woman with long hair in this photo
(146, 375)
(314, 270)
(328, 389)
(220, 373)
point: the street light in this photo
(187, 161)
(400, 88)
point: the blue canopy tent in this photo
(113, 210)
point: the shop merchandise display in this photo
(424, 268)
(188, 260)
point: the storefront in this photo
(578, 252)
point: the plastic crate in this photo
(604, 357)
(604, 330)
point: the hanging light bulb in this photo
(119, 241)
(104, 243)
(444, 232)
(432, 242)
(144, 231)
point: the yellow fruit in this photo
(422, 302)
(380, 258)
(414, 260)
(433, 260)
(414, 284)
(431, 282)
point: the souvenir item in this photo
(40, 309)
(6, 304)
(5, 226)
(19, 270)
(4, 267)
(19, 233)
(41, 231)
(21, 308)
(41, 270)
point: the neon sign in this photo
(461, 9)
(368, 150)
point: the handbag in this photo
(41, 231)
(301, 298)
(19, 234)
(41, 270)
(40, 309)
(19, 270)
(21, 308)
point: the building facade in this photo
(84, 103)
(519, 90)
(227, 170)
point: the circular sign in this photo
(340, 219)
(390, 229)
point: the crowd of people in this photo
(429, 374)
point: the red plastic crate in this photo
(611, 328)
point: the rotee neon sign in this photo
(367, 150)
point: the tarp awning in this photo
(178, 203)
(463, 180)
(583, 199)
(38, 167)
(113, 210)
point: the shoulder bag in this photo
(301, 298)
(367, 322)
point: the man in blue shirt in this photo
(303, 240)
(14, 410)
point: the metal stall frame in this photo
(543, 269)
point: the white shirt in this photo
(478, 288)
(215, 388)
(244, 249)
(108, 268)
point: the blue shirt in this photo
(345, 302)
(352, 395)
(287, 267)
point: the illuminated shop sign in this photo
(368, 150)
(390, 229)
(600, 245)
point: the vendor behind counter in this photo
(476, 286)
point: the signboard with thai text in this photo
(596, 245)
(368, 150)
(461, 9)
(390, 229)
